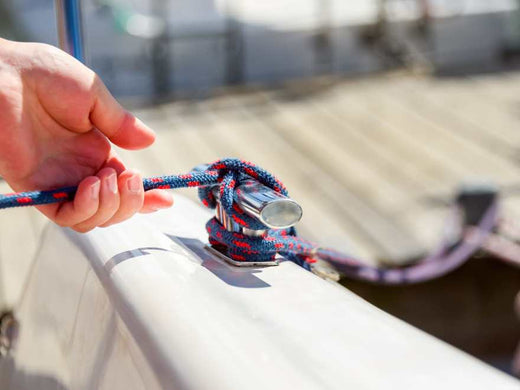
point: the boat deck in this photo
(374, 162)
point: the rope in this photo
(228, 174)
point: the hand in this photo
(56, 120)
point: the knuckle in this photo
(130, 209)
(46, 49)
(109, 208)
(136, 198)
(134, 204)
(97, 83)
(107, 171)
(82, 229)
(107, 224)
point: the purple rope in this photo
(433, 266)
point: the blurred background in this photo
(372, 112)
(148, 49)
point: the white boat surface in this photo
(142, 305)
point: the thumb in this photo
(120, 126)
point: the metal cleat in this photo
(273, 209)
(220, 252)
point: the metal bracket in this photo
(325, 270)
(243, 264)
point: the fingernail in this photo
(134, 184)
(112, 183)
(94, 190)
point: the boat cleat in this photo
(272, 209)
(220, 252)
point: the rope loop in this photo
(231, 173)
(241, 247)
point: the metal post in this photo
(70, 32)
(162, 70)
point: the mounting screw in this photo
(8, 332)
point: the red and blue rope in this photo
(228, 173)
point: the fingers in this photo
(84, 206)
(75, 97)
(109, 201)
(106, 199)
(121, 127)
(132, 197)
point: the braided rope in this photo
(228, 173)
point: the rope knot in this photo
(232, 173)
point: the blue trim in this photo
(72, 12)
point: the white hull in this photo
(142, 305)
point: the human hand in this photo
(56, 121)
